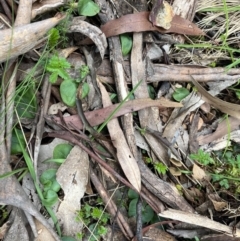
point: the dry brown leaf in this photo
(225, 107)
(158, 235)
(3, 229)
(124, 155)
(194, 195)
(43, 233)
(221, 130)
(175, 171)
(198, 220)
(198, 173)
(97, 117)
(139, 22)
(17, 41)
(161, 14)
(218, 203)
(72, 177)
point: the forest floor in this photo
(119, 120)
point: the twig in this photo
(111, 206)
(139, 220)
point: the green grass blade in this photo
(9, 174)
(118, 107)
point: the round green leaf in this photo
(85, 90)
(68, 90)
(61, 151)
(126, 43)
(50, 199)
(180, 93)
(132, 208)
(55, 186)
(147, 214)
(87, 8)
(48, 175)
(15, 147)
(47, 184)
(132, 194)
(151, 91)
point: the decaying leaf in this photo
(225, 107)
(97, 117)
(158, 235)
(72, 177)
(218, 203)
(161, 14)
(198, 173)
(43, 233)
(17, 41)
(124, 155)
(221, 130)
(139, 22)
(53, 109)
(3, 229)
(198, 220)
(175, 171)
(94, 33)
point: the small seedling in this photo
(224, 168)
(159, 167)
(57, 67)
(84, 72)
(95, 219)
(202, 157)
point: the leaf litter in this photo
(169, 130)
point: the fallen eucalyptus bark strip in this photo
(163, 190)
(185, 78)
(199, 221)
(19, 40)
(171, 73)
(125, 157)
